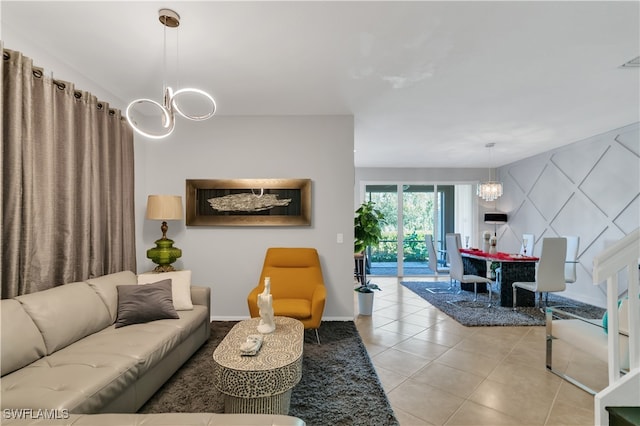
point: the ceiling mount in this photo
(169, 18)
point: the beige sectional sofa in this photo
(61, 351)
(60, 348)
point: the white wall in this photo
(590, 188)
(229, 259)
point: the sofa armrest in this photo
(201, 296)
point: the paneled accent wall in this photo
(590, 188)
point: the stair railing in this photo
(621, 257)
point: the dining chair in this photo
(434, 262)
(458, 240)
(550, 271)
(528, 248)
(456, 268)
(573, 242)
(531, 240)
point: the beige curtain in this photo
(67, 182)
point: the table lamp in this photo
(164, 208)
(495, 218)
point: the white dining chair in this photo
(527, 249)
(550, 271)
(530, 240)
(573, 242)
(459, 241)
(433, 256)
(456, 268)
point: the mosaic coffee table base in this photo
(276, 404)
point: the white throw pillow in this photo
(180, 286)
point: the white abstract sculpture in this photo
(265, 304)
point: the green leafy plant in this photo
(367, 288)
(367, 226)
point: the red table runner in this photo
(499, 255)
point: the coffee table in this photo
(259, 384)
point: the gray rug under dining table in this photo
(461, 307)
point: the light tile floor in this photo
(438, 372)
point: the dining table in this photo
(515, 268)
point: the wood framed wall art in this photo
(248, 202)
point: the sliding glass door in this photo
(385, 254)
(414, 211)
(418, 207)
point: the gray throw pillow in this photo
(143, 303)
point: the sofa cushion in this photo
(21, 342)
(180, 286)
(139, 304)
(106, 285)
(66, 313)
(146, 343)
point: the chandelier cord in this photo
(164, 59)
(177, 58)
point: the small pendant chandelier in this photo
(142, 114)
(490, 190)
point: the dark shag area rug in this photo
(339, 384)
(464, 310)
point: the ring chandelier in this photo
(170, 100)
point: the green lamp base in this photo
(164, 254)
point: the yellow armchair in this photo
(297, 285)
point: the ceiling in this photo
(428, 83)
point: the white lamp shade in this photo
(164, 207)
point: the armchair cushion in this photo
(294, 308)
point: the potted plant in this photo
(367, 226)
